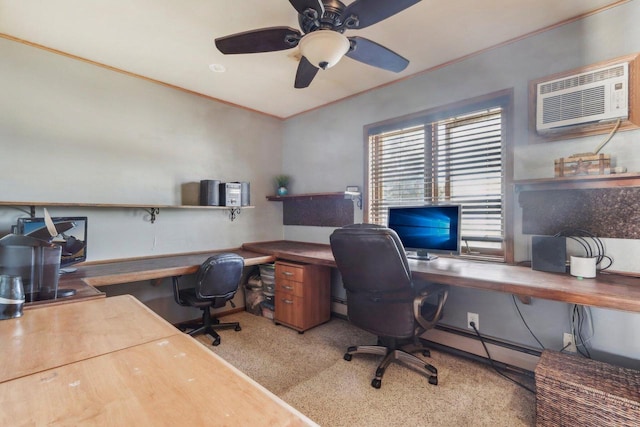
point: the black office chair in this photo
(217, 282)
(382, 297)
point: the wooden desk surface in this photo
(606, 291)
(54, 335)
(148, 268)
(171, 381)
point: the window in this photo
(449, 155)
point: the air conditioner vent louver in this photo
(582, 79)
(583, 98)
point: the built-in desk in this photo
(606, 290)
(90, 276)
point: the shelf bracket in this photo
(153, 212)
(233, 213)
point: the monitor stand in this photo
(421, 255)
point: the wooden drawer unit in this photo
(302, 296)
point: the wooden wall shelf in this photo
(316, 209)
(605, 205)
(336, 195)
(579, 182)
(153, 210)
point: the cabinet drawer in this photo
(289, 272)
(289, 287)
(289, 310)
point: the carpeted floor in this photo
(308, 371)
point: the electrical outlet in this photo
(568, 343)
(475, 318)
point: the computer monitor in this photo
(427, 230)
(72, 236)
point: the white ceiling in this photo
(172, 41)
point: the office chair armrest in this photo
(420, 300)
(176, 291)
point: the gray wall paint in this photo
(74, 132)
(334, 135)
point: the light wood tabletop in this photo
(54, 335)
(173, 381)
(112, 361)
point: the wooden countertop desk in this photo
(606, 290)
(114, 362)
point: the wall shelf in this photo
(316, 209)
(153, 210)
(579, 182)
(336, 195)
(605, 205)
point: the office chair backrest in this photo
(219, 276)
(376, 275)
(370, 258)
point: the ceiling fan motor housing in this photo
(330, 19)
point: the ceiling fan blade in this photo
(369, 52)
(305, 74)
(368, 12)
(257, 41)
(303, 5)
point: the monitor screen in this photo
(72, 235)
(424, 230)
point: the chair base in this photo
(396, 354)
(208, 326)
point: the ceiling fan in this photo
(321, 41)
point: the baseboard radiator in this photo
(502, 352)
(467, 343)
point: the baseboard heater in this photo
(505, 353)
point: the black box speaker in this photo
(209, 192)
(549, 254)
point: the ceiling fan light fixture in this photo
(324, 48)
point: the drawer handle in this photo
(289, 288)
(287, 273)
(287, 301)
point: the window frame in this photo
(503, 99)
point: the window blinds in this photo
(453, 160)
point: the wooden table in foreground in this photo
(112, 361)
(605, 291)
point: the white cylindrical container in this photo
(583, 267)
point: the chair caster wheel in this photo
(237, 328)
(433, 380)
(347, 357)
(216, 342)
(376, 383)
(426, 353)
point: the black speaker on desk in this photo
(209, 192)
(549, 254)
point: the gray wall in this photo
(324, 151)
(74, 132)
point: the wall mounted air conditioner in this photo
(593, 96)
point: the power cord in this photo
(578, 315)
(585, 238)
(473, 325)
(525, 322)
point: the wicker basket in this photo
(574, 391)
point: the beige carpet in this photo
(308, 371)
